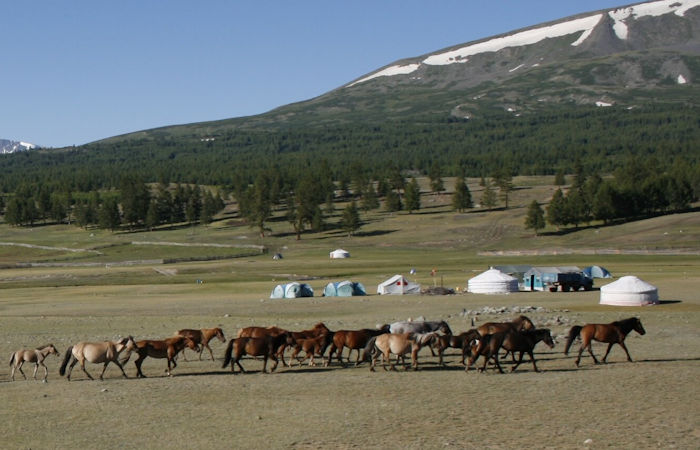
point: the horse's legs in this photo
(238, 362)
(46, 371)
(495, 358)
(138, 363)
(520, 359)
(532, 358)
(121, 367)
(36, 367)
(70, 367)
(21, 363)
(82, 366)
(624, 347)
(210, 352)
(610, 344)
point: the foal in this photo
(202, 337)
(35, 356)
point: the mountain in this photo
(7, 146)
(646, 53)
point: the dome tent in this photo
(493, 281)
(292, 290)
(339, 254)
(344, 289)
(398, 285)
(629, 291)
(596, 272)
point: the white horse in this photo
(35, 356)
(399, 344)
(96, 352)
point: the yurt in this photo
(344, 289)
(596, 272)
(339, 254)
(398, 285)
(493, 281)
(629, 291)
(292, 290)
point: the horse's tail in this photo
(12, 358)
(573, 334)
(227, 355)
(369, 349)
(69, 354)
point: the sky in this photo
(79, 71)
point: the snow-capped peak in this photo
(7, 146)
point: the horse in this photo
(35, 356)
(353, 340)
(513, 341)
(96, 352)
(611, 333)
(202, 337)
(521, 323)
(398, 344)
(166, 348)
(312, 347)
(460, 341)
(267, 347)
(319, 329)
(421, 326)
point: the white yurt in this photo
(629, 291)
(493, 281)
(339, 254)
(398, 285)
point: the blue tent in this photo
(344, 289)
(292, 290)
(596, 272)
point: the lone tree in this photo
(534, 220)
(350, 221)
(412, 196)
(488, 197)
(462, 198)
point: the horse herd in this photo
(399, 339)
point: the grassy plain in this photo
(112, 288)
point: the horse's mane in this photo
(626, 325)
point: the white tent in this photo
(629, 291)
(398, 285)
(493, 281)
(339, 253)
(292, 290)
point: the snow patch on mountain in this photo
(7, 146)
(648, 9)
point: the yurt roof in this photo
(628, 284)
(493, 275)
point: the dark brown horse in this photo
(611, 333)
(312, 347)
(460, 341)
(165, 348)
(513, 341)
(353, 340)
(267, 347)
(202, 337)
(520, 323)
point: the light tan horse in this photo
(399, 344)
(35, 356)
(202, 337)
(96, 353)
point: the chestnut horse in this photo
(202, 337)
(267, 347)
(353, 340)
(96, 353)
(35, 356)
(398, 344)
(165, 348)
(611, 333)
(315, 346)
(460, 341)
(513, 341)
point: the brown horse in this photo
(399, 344)
(353, 340)
(611, 333)
(513, 341)
(96, 353)
(521, 323)
(315, 346)
(460, 341)
(35, 356)
(267, 347)
(202, 337)
(166, 348)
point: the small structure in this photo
(562, 278)
(339, 254)
(629, 291)
(345, 288)
(277, 256)
(292, 290)
(398, 285)
(515, 270)
(492, 281)
(596, 272)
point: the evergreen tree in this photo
(392, 201)
(369, 198)
(504, 180)
(535, 217)
(462, 198)
(488, 197)
(152, 217)
(350, 221)
(555, 210)
(412, 196)
(603, 207)
(437, 185)
(13, 211)
(559, 178)
(108, 215)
